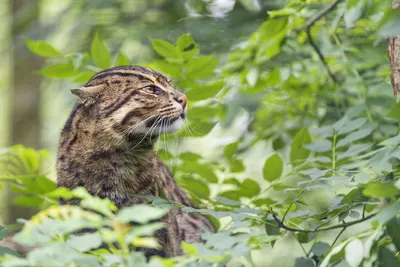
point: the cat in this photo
(106, 146)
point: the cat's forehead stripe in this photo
(139, 72)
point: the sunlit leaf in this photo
(122, 60)
(164, 49)
(42, 48)
(140, 213)
(354, 252)
(85, 242)
(62, 71)
(100, 54)
(28, 201)
(187, 47)
(381, 190)
(201, 67)
(273, 168)
(197, 187)
(249, 188)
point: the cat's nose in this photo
(181, 99)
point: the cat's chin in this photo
(161, 128)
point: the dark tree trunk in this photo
(394, 57)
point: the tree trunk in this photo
(25, 90)
(394, 57)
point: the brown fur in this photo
(104, 146)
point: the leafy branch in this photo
(309, 25)
(281, 224)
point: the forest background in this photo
(292, 147)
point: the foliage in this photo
(310, 91)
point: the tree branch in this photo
(343, 225)
(309, 25)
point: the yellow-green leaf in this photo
(100, 54)
(273, 168)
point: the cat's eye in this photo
(153, 89)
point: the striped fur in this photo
(106, 146)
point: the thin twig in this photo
(337, 237)
(343, 225)
(309, 24)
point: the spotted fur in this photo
(106, 146)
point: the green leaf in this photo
(100, 54)
(140, 213)
(189, 156)
(354, 136)
(303, 262)
(381, 190)
(85, 242)
(252, 76)
(249, 188)
(354, 150)
(165, 49)
(388, 213)
(42, 48)
(305, 237)
(273, 28)
(84, 76)
(234, 164)
(201, 67)
(297, 151)
(62, 71)
(203, 170)
(273, 168)
(122, 60)
(387, 258)
(172, 69)
(197, 187)
(204, 91)
(187, 47)
(320, 248)
(28, 201)
(354, 252)
(104, 206)
(272, 227)
(5, 250)
(319, 146)
(232, 194)
(394, 112)
(351, 126)
(263, 201)
(392, 228)
(189, 249)
(3, 232)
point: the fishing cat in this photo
(106, 146)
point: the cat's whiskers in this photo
(154, 125)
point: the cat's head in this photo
(133, 100)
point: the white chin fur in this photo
(160, 129)
(175, 126)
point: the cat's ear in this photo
(87, 95)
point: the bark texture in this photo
(394, 57)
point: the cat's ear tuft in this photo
(87, 95)
(77, 92)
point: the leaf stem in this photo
(334, 152)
